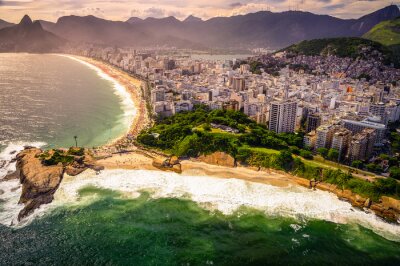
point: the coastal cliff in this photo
(39, 182)
(40, 174)
(387, 208)
(218, 158)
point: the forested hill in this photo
(342, 47)
(387, 33)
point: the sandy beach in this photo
(140, 159)
(133, 86)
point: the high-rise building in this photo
(362, 145)
(378, 110)
(340, 142)
(313, 122)
(158, 94)
(324, 136)
(309, 139)
(282, 117)
(356, 126)
(244, 68)
(238, 83)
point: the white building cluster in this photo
(335, 111)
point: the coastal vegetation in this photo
(256, 67)
(190, 134)
(387, 33)
(351, 47)
(54, 157)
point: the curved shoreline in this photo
(138, 158)
(128, 90)
(141, 159)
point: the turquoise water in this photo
(115, 230)
(176, 220)
(51, 99)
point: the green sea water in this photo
(115, 230)
(48, 98)
(51, 99)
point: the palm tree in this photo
(76, 141)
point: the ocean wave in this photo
(9, 152)
(10, 190)
(126, 100)
(224, 195)
(212, 193)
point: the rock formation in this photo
(169, 164)
(218, 158)
(40, 181)
(388, 208)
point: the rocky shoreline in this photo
(387, 208)
(39, 181)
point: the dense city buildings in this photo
(320, 96)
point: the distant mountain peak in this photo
(37, 25)
(26, 20)
(192, 18)
(386, 12)
(134, 20)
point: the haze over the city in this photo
(123, 9)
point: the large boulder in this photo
(218, 158)
(169, 164)
(391, 203)
(39, 182)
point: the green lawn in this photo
(264, 150)
(318, 161)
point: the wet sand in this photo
(141, 161)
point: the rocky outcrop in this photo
(82, 163)
(388, 208)
(40, 182)
(170, 164)
(218, 158)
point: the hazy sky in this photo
(13, 10)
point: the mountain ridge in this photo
(253, 30)
(28, 36)
(259, 29)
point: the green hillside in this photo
(386, 32)
(342, 47)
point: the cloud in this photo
(235, 5)
(13, 3)
(155, 12)
(13, 10)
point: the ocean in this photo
(50, 99)
(140, 217)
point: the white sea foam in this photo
(6, 156)
(225, 195)
(10, 191)
(128, 105)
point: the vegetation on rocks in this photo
(189, 134)
(342, 47)
(55, 157)
(387, 33)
